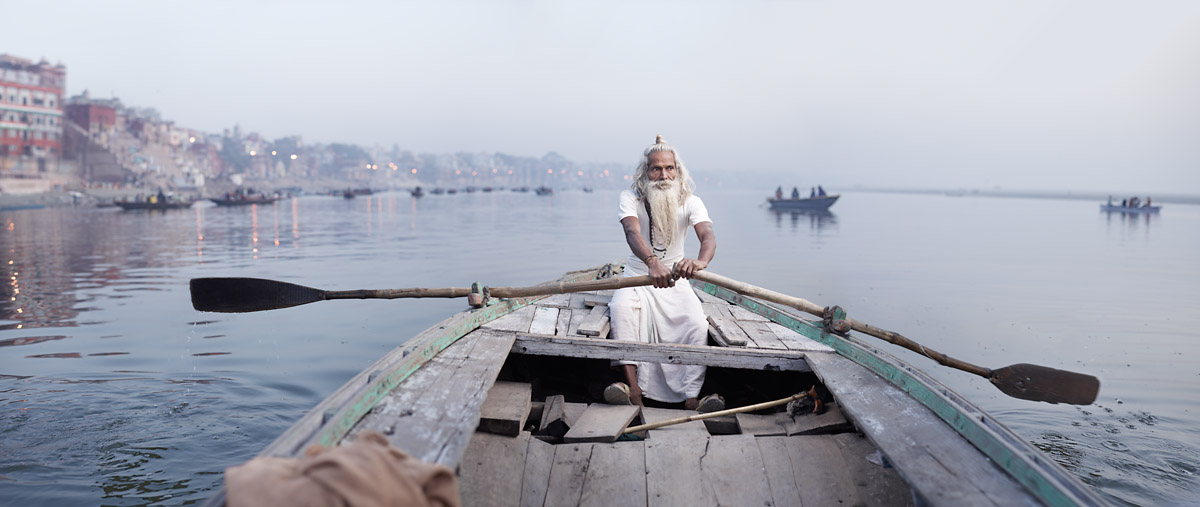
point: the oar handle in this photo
(811, 308)
(719, 413)
(447, 292)
(546, 289)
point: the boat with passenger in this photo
(1130, 205)
(245, 197)
(153, 205)
(808, 203)
(504, 393)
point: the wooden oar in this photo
(1023, 381)
(719, 413)
(239, 295)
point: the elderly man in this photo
(656, 213)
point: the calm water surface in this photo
(114, 391)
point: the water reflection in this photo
(817, 220)
(1132, 220)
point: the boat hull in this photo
(244, 202)
(1112, 208)
(812, 203)
(129, 206)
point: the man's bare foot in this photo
(690, 404)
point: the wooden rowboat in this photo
(147, 205)
(478, 391)
(810, 203)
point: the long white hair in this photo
(641, 178)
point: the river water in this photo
(114, 391)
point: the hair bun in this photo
(659, 140)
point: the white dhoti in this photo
(672, 315)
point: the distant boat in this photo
(438, 191)
(544, 190)
(487, 189)
(1117, 208)
(820, 202)
(452, 191)
(587, 189)
(520, 189)
(147, 205)
(348, 194)
(363, 191)
(417, 192)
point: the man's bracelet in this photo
(646, 261)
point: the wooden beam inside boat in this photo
(724, 357)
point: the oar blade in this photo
(240, 295)
(1041, 383)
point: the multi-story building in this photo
(31, 115)
(97, 116)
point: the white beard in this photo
(663, 197)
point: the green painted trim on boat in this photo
(988, 435)
(348, 416)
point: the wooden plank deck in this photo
(682, 468)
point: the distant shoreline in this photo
(1037, 194)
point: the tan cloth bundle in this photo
(368, 472)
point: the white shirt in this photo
(689, 214)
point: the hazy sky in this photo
(1071, 95)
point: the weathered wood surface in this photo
(545, 320)
(682, 468)
(556, 301)
(797, 341)
(505, 409)
(817, 463)
(745, 315)
(831, 421)
(563, 326)
(436, 412)
(673, 473)
(743, 358)
(652, 415)
(553, 412)
(565, 487)
(516, 321)
(577, 316)
(481, 482)
(596, 324)
(577, 301)
(727, 333)
(573, 411)
(539, 459)
(733, 468)
(874, 484)
(938, 463)
(763, 425)
(777, 464)
(722, 425)
(590, 300)
(410, 356)
(762, 335)
(601, 423)
(616, 475)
